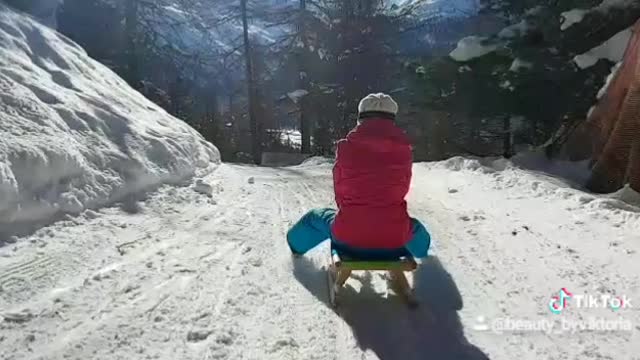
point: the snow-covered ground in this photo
(73, 135)
(209, 276)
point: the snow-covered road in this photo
(179, 275)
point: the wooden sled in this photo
(341, 268)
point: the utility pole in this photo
(251, 88)
(303, 81)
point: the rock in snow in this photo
(73, 135)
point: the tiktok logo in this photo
(559, 302)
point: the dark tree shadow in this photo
(387, 326)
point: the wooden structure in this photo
(615, 126)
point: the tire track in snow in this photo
(341, 333)
(26, 270)
(115, 304)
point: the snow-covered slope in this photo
(196, 276)
(44, 10)
(73, 135)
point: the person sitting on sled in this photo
(371, 176)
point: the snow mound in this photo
(612, 49)
(531, 173)
(317, 161)
(471, 47)
(459, 163)
(576, 172)
(628, 195)
(73, 135)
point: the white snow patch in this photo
(572, 17)
(614, 72)
(515, 30)
(296, 95)
(459, 163)
(627, 195)
(519, 64)
(471, 47)
(317, 161)
(568, 173)
(612, 49)
(73, 135)
(534, 11)
(506, 84)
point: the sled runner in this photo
(342, 265)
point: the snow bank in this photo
(574, 174)
(542, 178)
(471, 47)
(612, 49)
(73, 135)
(572, 17)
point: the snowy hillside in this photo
(73, 135)
(210, 277)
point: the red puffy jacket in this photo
(371, 178)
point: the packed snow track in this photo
(186, 275)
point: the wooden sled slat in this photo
(403, 264)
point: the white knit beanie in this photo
(380, 102)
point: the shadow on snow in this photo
(387, 326)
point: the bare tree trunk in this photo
(251, 86)
(131, 53)
(305, 128)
